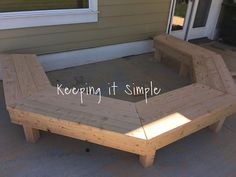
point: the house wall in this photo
(120, 21)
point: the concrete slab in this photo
(139, 70)
(202, 154)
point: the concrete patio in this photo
(202, 154)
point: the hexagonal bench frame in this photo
(137, 128)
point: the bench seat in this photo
(119, 116)
(183, 111)
(109, 123)
(206, 67)
(138, 128)
(133, 127)
(213, 72)
(23, 76)
(180, 49)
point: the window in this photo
(33, 13)
(180, 13)
(203, 10)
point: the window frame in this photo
(37, 18)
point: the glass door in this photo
(180, 19)
(192, 19)
(200, 21)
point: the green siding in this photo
(119, 22)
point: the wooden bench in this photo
(22, 77)
(203, 65)
(137, 128)
(213, 72)
(179, 50)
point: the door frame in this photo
(212, 32)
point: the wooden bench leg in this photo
(147, 160)
(216, 127)
(158, 55)
(184, 70)
(31, 134)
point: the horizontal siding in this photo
(103, 23)
(26, 5)
(119, 22)
(85, 44)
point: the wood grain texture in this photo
(138, 128)
(209, 69)
(22, 76)
(11, 84)
(79, 131)
(113, 115)
(32, 135)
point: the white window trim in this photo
(24, 19)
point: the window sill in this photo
(13, 20)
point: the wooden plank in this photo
(26, 82)
(181, 46)
(21, 74)
(82, 117)
(80, 131)
(174, 53)
(201, 116)
(205, 72)
(117, 109)
(225, 75)
(184, 70)
(111, 114)
(148, 159)
(165, 118)
(216, 127)
(215, 81)
(200, 71)
(38, 74)
(106, 101)
(31, 134)
(176, 100)
(158, 55)
(225, 103)
(11, 85)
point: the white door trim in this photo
(210, 28)
(170, 17)
(181, 33)
(211, 31)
